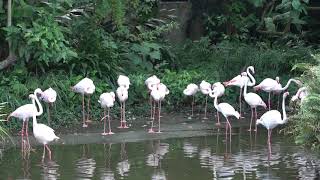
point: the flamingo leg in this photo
(269, 103)
(230, 129)
(256, 117)
(124, 115)
(104, 122)
(22, 134)
(109, 120)
(121, 118)
(44, 152)
(83, 113)
(159, 110)
(154, 112)
(205, 108)
(27, 134)
(192, 104)
(218, 117)
(49, 151)
(269, 141)
(251, 119)
(240, 97)
(151, 102)
(88, 112)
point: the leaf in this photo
(296, 4)
(269, 24)
(155, 55)
(136, 59)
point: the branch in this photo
(12, 57)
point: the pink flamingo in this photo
(272, 119)
(205, 89)
(253, 99)
(84, 87)
(150, 82)
(49, 96)
(122, 94)
(191, 90)
(239, 81)
(158, 94)
(226, 110)
(218, 89)
(106, 101)
(301, 94)
(24, 113)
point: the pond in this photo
(205, 157)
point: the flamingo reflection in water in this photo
(106, 172)
(123, 166)
(50, 170)
(85, 166)
(154, 159)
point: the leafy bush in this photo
(305, 125)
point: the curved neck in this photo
(34, 118)
(39, 105)
(245, 87)
(288, 83)
(284, 114)
(252, 79)
(216, 102)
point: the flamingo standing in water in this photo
(272, 119)
(239, 81)
(218, 89)
(49, 96)
(122, 94)
(106, 101)
(85, 87)
(150, 82)
(253, 99)
(43, 133)
(226, 110)
(191, 90)
(24, 113)
(158, 94)
(205, 89)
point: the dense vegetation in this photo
(57, 43)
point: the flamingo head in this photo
(252, 69)
(278, 79)
(258, 122)
(285, 94)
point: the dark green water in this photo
(197, 158)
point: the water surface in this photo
(198, 158)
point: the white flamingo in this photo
(106, 101)
(24, 113)
(49, 96)
(122, 94)
(191, 90)
(218, 89)
(239, 81)
(268, 85)
(272, 119)
(301, 94)
(85, 87)
(158, 94)
(43, 133)
(205, 89)
(123, 81)
(226, 110)
(150, 82)
(253, 99)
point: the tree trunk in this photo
(12, 57)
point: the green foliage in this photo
(3, 131)
(305, 125)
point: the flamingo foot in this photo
(104, 134)
(125, 125)
(110, 133)
(249, 130)
(150, 130)
(218, 124)
(158, 132)
(84, 125)
(205, 117)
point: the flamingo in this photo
(226, 110)
(122, 94)
(253, 99)
(123, 81)
(205, 89)
(272, 119)
(43, 133)
(150, 82)
(218, 89)
(158, 94)
(106, 100)
(49, 96)
(191, 90)
(239, 81)
(301, 94)
(25, 112)
(84, 87)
